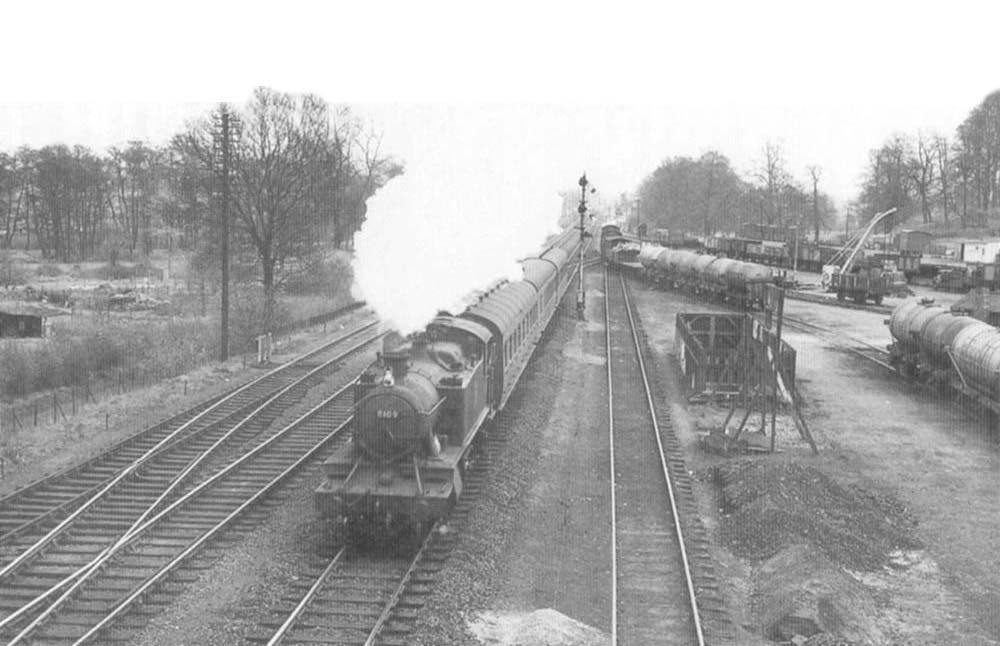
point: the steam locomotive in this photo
(420, 406)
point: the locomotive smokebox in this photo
(396, 356)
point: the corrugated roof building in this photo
(21, 320)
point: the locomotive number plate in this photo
(387, 414)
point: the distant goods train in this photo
(618, 247)
(420, 406)
(724, 278)
(937, 347)
(782, 247)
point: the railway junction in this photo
(884, 534)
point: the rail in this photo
(131, 469)
(861, 348)
(96, 565)
(675, 513)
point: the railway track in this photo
(811, 297)
(350, 601)
(857, 347)
(364, 599)
(664, 586)
(152, 517)
(76, 603)
(47, 502)
(357, 599)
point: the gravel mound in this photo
(769, 505)
(546, 626)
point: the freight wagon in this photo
(935, 346)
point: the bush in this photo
(329, 277)
(82, 348)
(11, 274)
(17, 370)
(249, 317)
(121, 272)
(49, 269)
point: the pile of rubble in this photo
(769, 505)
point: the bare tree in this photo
(9, 198)
(941, 150)
(297, 174)
(815, 172)
(69, 200)
(963, 173)
(710, 161)
(130, 202)
(921, 165)
(772, 176)
(978, 139)
(887, 182)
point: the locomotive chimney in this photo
(396, 358)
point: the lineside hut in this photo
(25, 320)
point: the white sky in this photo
(495, 106)
(624, 86)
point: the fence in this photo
(65, 403)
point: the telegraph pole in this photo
(225, 125)
(638, 218)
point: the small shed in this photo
(22, 320)
(913, 240)
(980, 251)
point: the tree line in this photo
(930, 178)
(301, 173)
(933, 178)
(706, 195)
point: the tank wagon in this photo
(723, 278)
(420, 406)
(935, 346)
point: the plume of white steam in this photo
(455, 222)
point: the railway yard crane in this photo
(870, 283)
